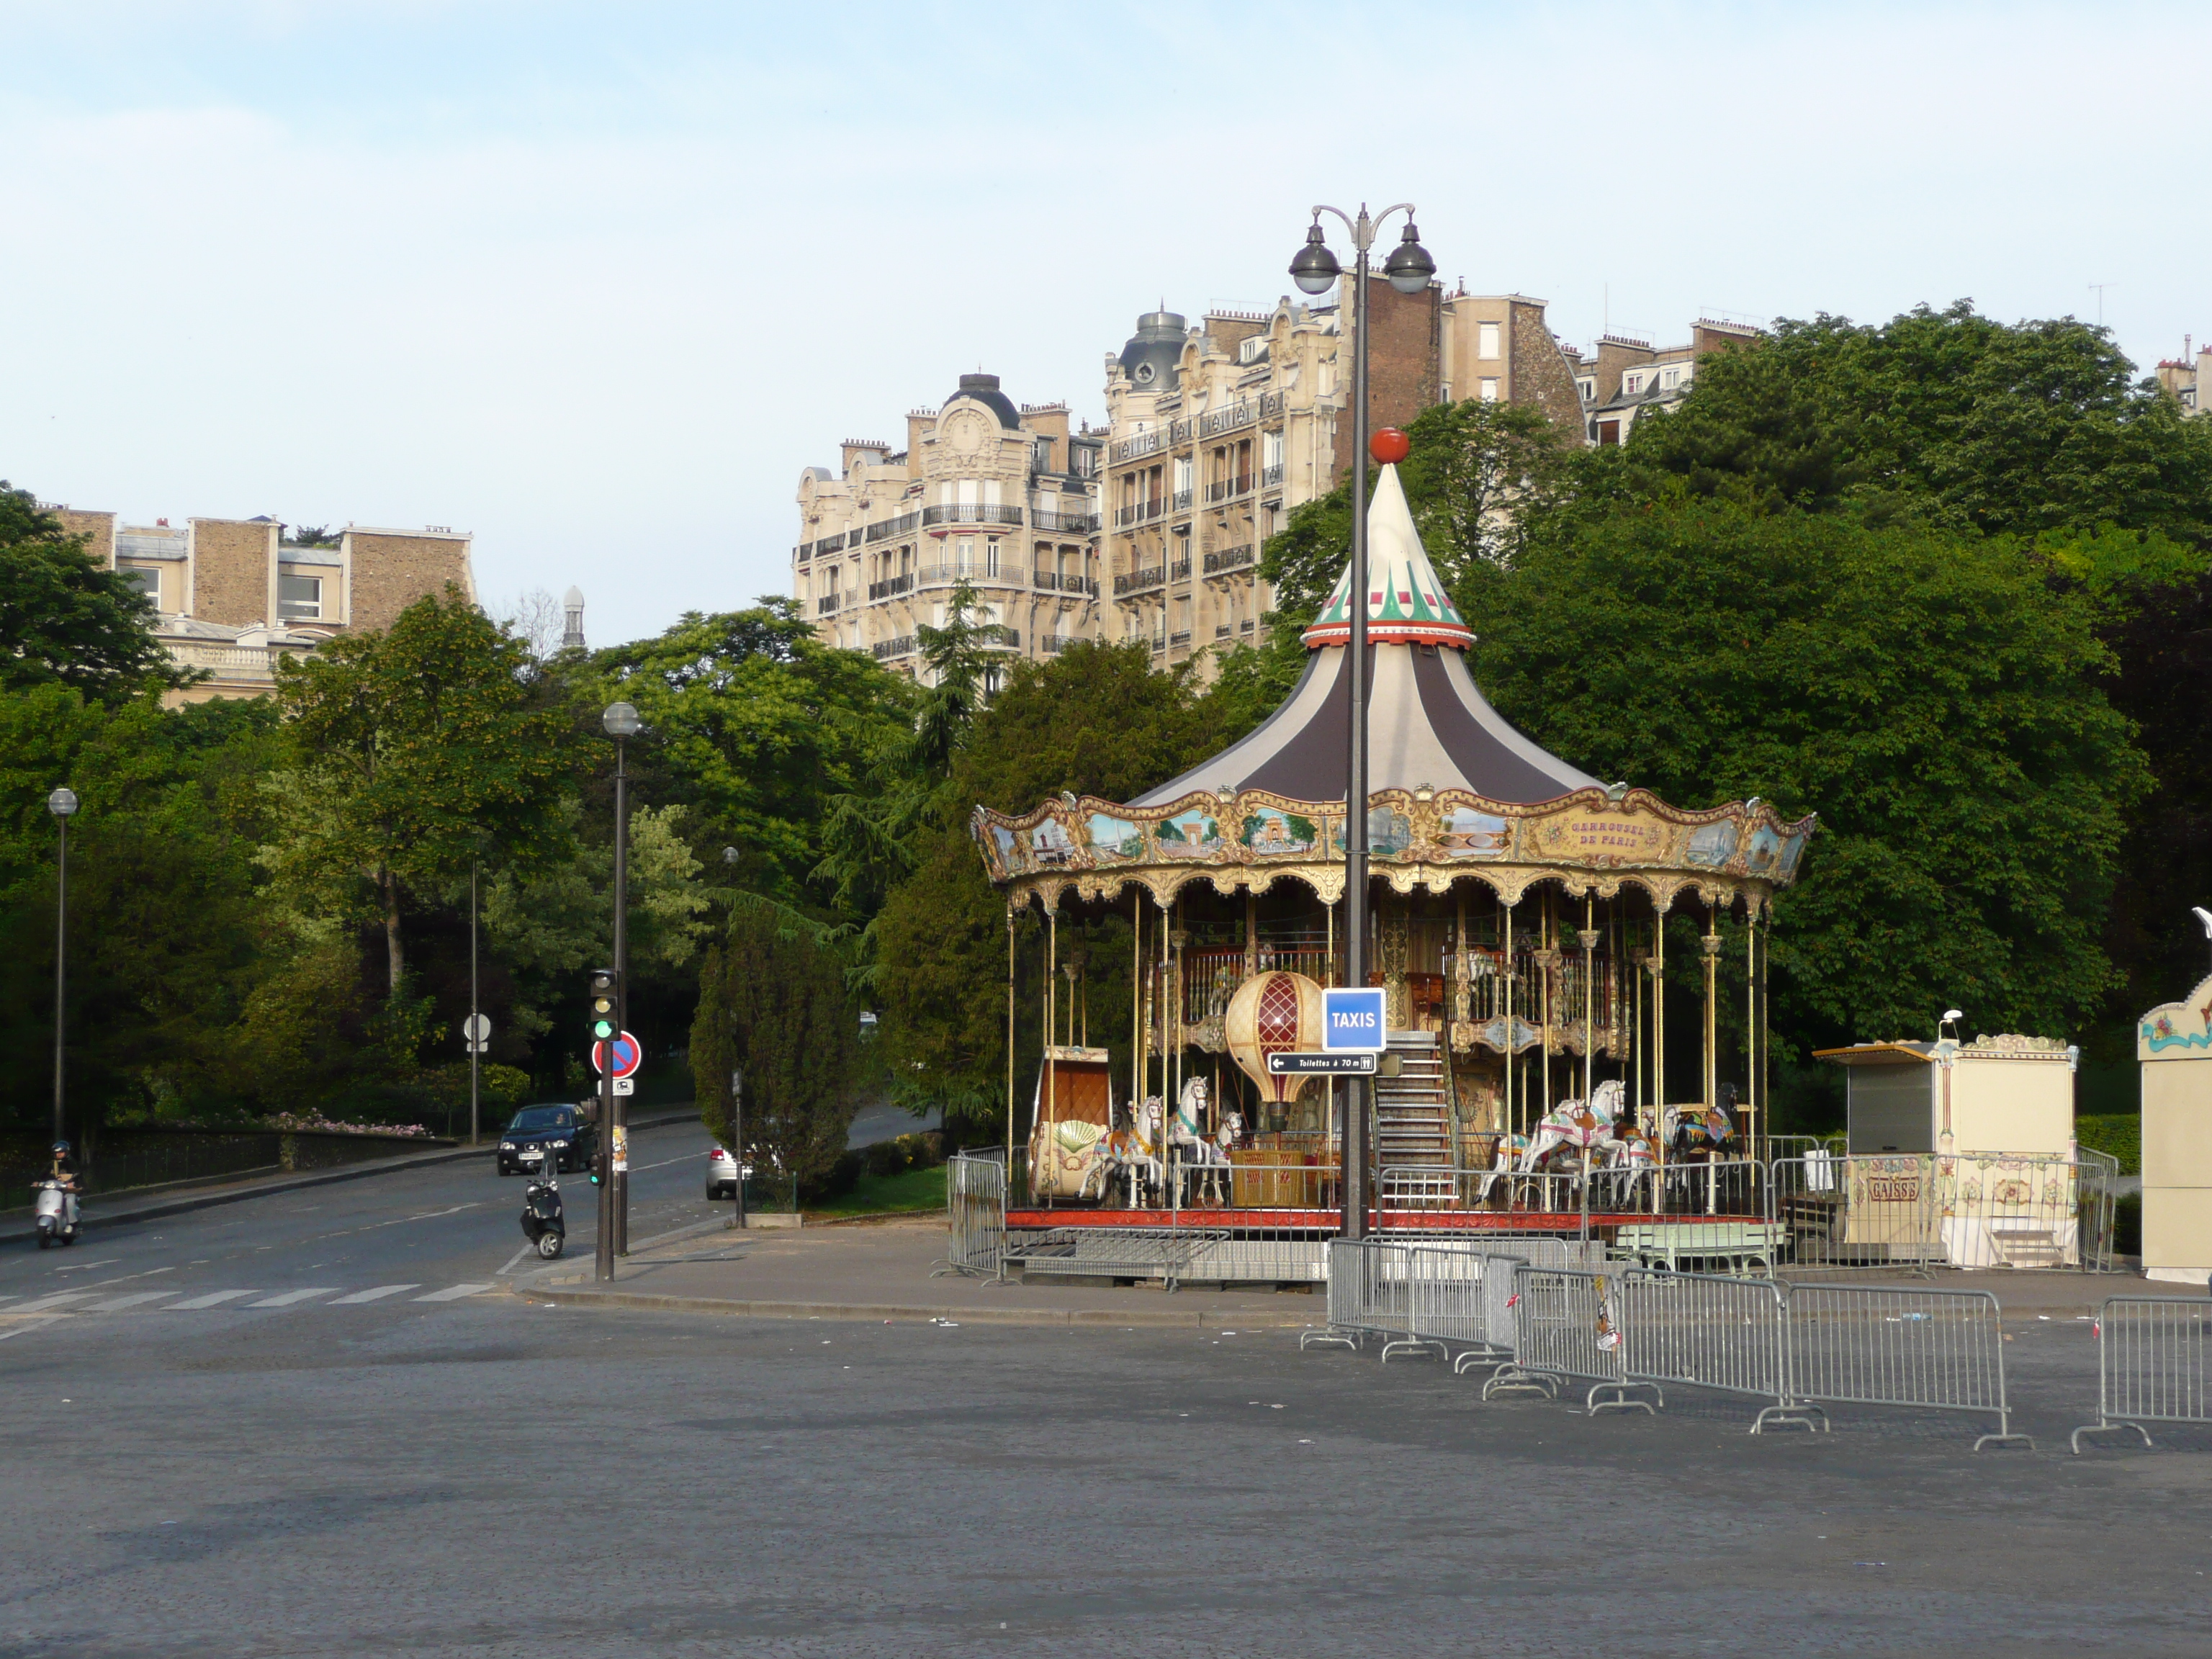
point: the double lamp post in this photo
(1408, 269)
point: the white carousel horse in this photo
(1586, 1126)
(1630, 1158)
(1213, 1161)
(1194, 1148)
(1134, 1153)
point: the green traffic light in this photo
(603, 1028)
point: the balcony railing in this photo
(1178, 571)
(885, 529)
(892, 588)
(1226, 489)
(1221, 630)
(1180, 638)
(827, 603)
(1053, 582)
(1010, 638)
(1228, 558)
(901, 646)
(802, 553)
(1053, 644)
(1074, 523)
(1145, 443)
(970, 513)
(830, 545)
(1245, 626)
(1271, 476)
(1180, 501)
(1136, 581)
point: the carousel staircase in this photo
(1414, 1128)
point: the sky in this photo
(594, 282)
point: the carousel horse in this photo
(1215, 1163)
(1134, 1153)
(1194, 1148)
(1706, 1133)
(1631, 1158)
(1586, 1126)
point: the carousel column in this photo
(1512, 1125)
(1136, 1006)
(1659, 1052)
(1751, 1032)
(1712, 945)
(1051, 1102)
(1588, 942)
(1010, 1047)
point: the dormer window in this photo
(1632, 384)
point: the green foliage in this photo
(1929, 694)
(2119, 1133)
(1948, 418)
(1095, 719)
(415, 751)
(757, 728)
(772, 1003)
(65, 618)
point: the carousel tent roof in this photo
(1428, 725)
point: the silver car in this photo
(722, 1173)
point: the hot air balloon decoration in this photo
(1274, 1012)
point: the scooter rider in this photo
(63, 1175)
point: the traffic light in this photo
(605, 1023)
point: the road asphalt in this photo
(323, 1422)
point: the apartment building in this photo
(1216, 433)
(1004, 498)
(235, 595)
(2188, 379)
(1626, 377)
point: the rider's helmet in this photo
(61, 1149)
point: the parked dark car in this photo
(573, 1140)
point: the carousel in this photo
(1527, 922)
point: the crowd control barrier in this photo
(975, 1216)
(1729, 1335)
(2153, 1363)
(1871, 1346)
(1567, 1325)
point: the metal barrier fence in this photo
(1566, 1325)
(1872, 1346)
(1461, 1294)
(975, 1216)
(1730, 1335)
(2153, 1364)
(2007, 1210)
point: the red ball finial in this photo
(1389, 446)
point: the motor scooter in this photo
(54, 1205)
(541, 1221)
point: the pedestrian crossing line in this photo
(56, 1301)
(455, 1292)
(214, 1298)
(376, 1294)
(288, 1297)
(136, 1298)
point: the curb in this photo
(893, 1313)
(322, 1178)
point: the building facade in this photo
(2188, 379)
(235, 595)
(1005, 499)
(1216, 433)
(1626, 377)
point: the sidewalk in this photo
(879, 1271)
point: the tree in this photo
(416, 752)
(772, 1003)
(756, 726)
(1095, 719)
(1930, 695)
(65, 618)
(1950, 418)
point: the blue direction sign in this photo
(1351, 1020)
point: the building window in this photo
(1490, 389)
(991, 558)
(1043, 448)
(148, 582)
(1667, 379)
(299, 599)
(966, 554)
(1588, 389)
(1487, 345)
(1632, 383)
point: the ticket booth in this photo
(1995, 1094)
(2173, 1045)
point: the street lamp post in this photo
(737, 1079)
(1315, 269)
(623, 724)
(63, 805)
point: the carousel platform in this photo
(1331, 1221)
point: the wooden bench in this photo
(1673, 1243)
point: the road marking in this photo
(13, 1298)
(136, 1298)
(688, 1157)
(87, 1266)
(527, 1250)
(53, 1301)
(35, 1325)
(208, 1301)
(288, 1297)
(455, 1292)
(376, 1295)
